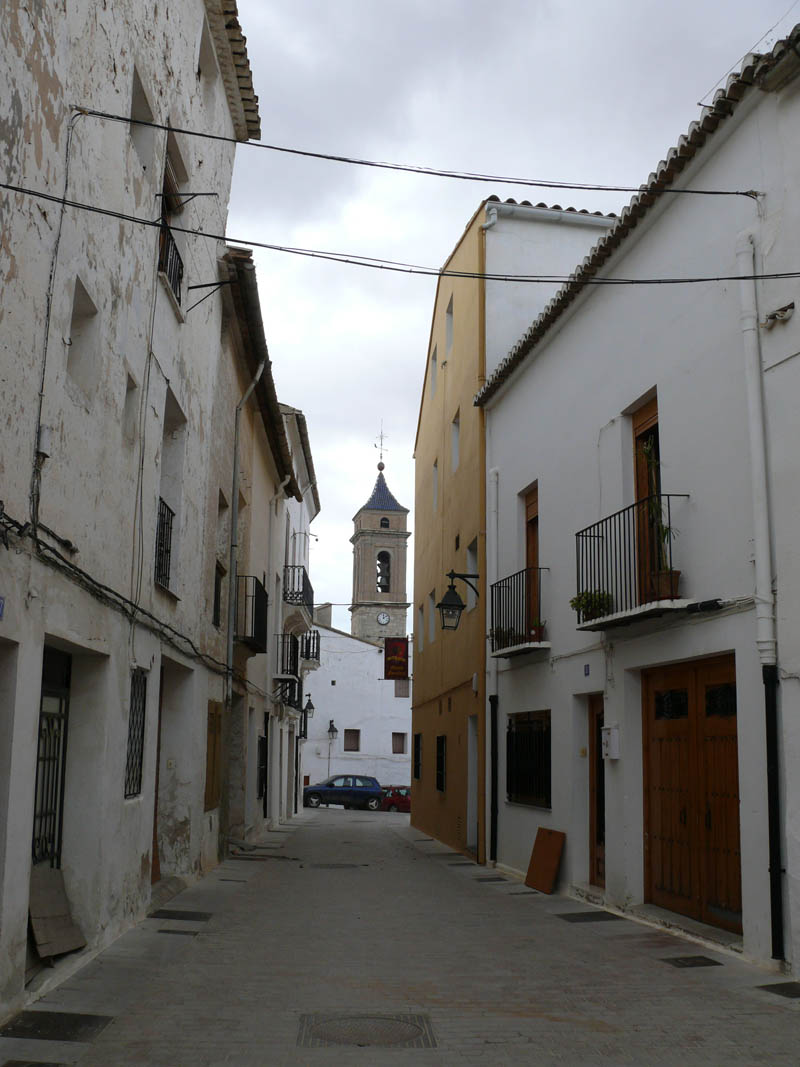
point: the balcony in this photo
(309, 646)
(517, 623)
(288, 657)
(625, 565)
(170, 262)
(163, 544)
(251, 613)
(297, 589)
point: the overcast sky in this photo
(587, 92)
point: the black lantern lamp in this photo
(306, 714)
(451, 605)
(333, 733)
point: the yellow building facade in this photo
(448, 776)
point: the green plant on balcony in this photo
(660, 534)
(592, 604)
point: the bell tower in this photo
(379, 541)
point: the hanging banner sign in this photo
(395, 657)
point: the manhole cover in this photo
(783, 989)
(691, 961)
(397, 1031)
(55, 1026)
(187, 916)
(589, 917)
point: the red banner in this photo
(395, 657)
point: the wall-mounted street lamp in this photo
(451, 605)
(306, 713)
(333, 733)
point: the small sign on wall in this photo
(610, 741)
(395, 658)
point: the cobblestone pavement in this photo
(352, 913)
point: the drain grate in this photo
(783, 989)
(524, 893)
(691, 961)
(187, 916)
(461, 863)
(242, 880)
(32, 1063)
(183, 933)
(335, 866)
(491, 878)
(56, 1026)
(588, 916)
(386, 1031)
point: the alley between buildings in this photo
(352, 928)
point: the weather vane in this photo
(381, 437)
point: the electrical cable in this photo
(394, 266)
(406, 168)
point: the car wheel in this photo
(373, 804)
(314, 800)
(392, 807)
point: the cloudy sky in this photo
(586, 92)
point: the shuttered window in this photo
(441, 762)
(133, 761)
(528, 759)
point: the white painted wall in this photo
(562, 420)
(349, 688)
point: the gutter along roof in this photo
(302, 429)
(769, 71)
(231, 48)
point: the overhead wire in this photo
(395, 266)
(406, 168)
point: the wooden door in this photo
(692, 851)
(532, 620)
(597, 793)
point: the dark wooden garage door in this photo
(692, 849)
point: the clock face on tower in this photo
(383, 618)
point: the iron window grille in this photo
(288, 656)
(528, 767)
(169, 261)
(136, 720)
(251, 612)
(297, 588)
(310, 646)
(51, 755)
(164, 543)
(417, 764)
(517, 609)
(441, 762)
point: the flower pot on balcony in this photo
(665, 584)
(536, 633)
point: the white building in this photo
(634, 432)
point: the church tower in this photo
(379, 566)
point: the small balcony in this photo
(297, 589)
(170, 262)
(163, 562)
(625, 565)
(288, 656)
(517, 623)
(309, 647)
(251, 613)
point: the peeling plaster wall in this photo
(100, 484)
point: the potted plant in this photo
(664, 579)
(536, 631)
(592, 604)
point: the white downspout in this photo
(492, 565)
(765, 601)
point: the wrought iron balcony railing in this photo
(251, 613)
(288, 658)
(163, 543)
(517, 610)
(297, 589)
(625, 561)
(169, 260)
(309, 646)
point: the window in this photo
(435, 484)
(219, 573)
(441, 761)
(449, 329)
(417, 763)
(455, 426)
(82, 340)
(142, 137)
(173, 445)
(398, 744)
(528, 758)
(432, 615)
(170, 261)
(213, 755)
(352, 741)
(133, 761)
(420, 628)
(472, 568)
(384, 523)
(383, 579)
(434, 370)
(402, 687)
(207, 68)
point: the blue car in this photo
(349, 790)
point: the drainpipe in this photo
(494, 526)
(235, 533)
(764, 599)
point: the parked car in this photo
(396, 798)
(349, 790)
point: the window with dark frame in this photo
(398, 744)
(417, 764)
(352, 741)
(216, 616)
(134, 758)
(213, 756)
(441, 762)
(528, 767)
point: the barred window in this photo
(133, 761)
(528, 758)
(417, 756)
(441, 762)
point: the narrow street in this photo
(350, 913)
